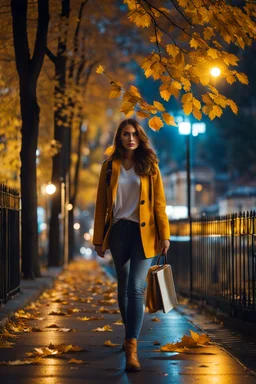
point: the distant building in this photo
(238, 199)
(202, 187)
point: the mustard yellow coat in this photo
(154, 224)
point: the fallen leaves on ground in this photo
(36, 360)
(21, 314)
(32, 306)
(75, 361)
(108, 301)
(108, 343)
(58, 313)
(106, 310)
(5, 344)
(52, 326)
(54, 350)
(187, 342)
(118, 322)
(106, 328)
(86, 318)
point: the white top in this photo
(126, 205)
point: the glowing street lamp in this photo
(215, 72)
(50, 189)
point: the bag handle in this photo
(159, 257)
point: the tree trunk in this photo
(28, 71)
(60, 161)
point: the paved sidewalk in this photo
(82, 293)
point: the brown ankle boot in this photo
(132, 362)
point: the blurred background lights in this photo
(43, 226)
(69, 207)
(86, 252)
(91, 231)
(199, 187)
(50, 189)
(184, 128)
(76, 226)
(87, 236)
(215, 72)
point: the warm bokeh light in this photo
(215, 72)
(50, 189)
(199, 187)
(76, 226)
(87, 236)
(69, 207)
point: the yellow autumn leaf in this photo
(172, 49)
(187, 108)
(106, 328)
(134, 90)
(118, 322)
(66, 330)
(233, 106)
(159, 106)
(52, 326)
(201, 339)
(108, 343)
(176, 85)
(165, 94)
(207, 109)
(92, 318)
(230, 79)
(168, 119)
(194, 43)
(186, 97)
(156, 319)
(196, 103)
(186, 84)
(242, 78)
(155, 123)
(204, 79)
(100, 69)
(208, 33)
(197, 114)
(5, 344)
(107, 310)
(75, 361)
(142, 114)
(213, 53)
(230, 58)
(58, 313)
(206, 99)
(217, 110)
(115, 91)
(36, 360)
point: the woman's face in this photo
(129, 138)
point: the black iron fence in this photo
(220, 269)
(9, 242)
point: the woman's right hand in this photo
(98, 249)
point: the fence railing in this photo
(222, 264)
(9, 242)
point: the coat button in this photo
(143, 224)
(142, 202)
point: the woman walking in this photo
(130, 220)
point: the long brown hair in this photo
(145, 157)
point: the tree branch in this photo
(51, 55)
(20, 38)
(41, 36)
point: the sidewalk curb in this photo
(30, 290)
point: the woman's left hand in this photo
(165, 245)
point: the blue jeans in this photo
(131, 270)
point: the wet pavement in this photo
(83, 299)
